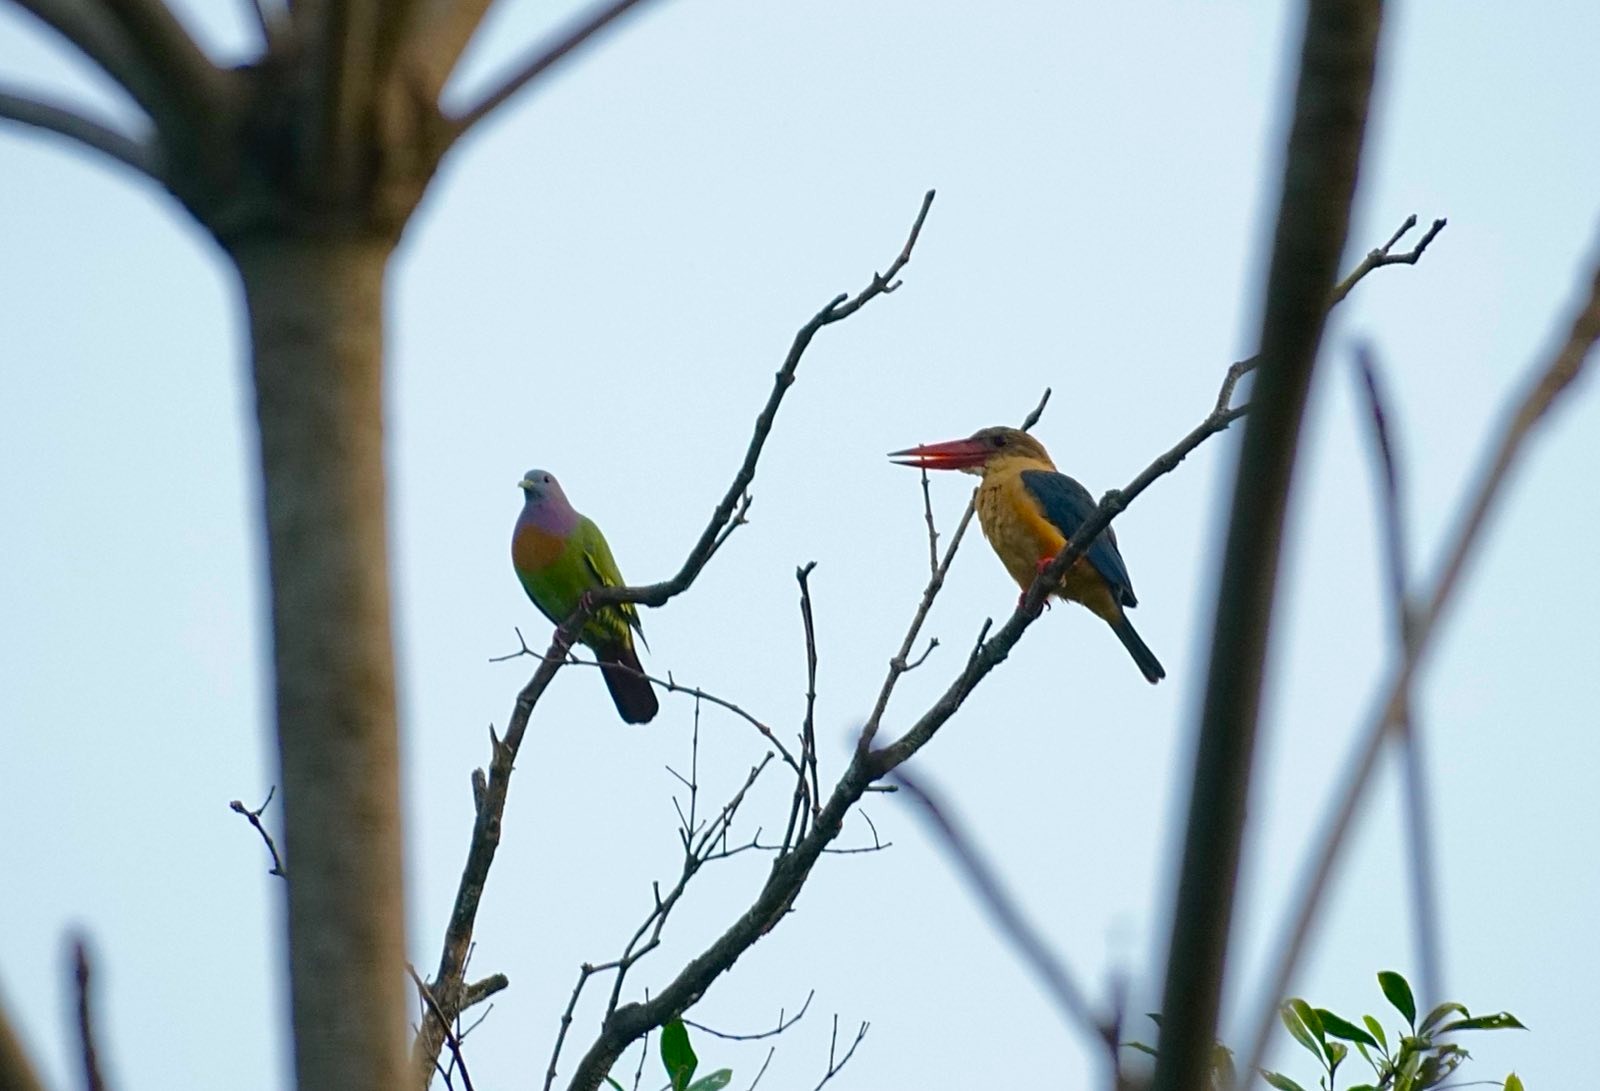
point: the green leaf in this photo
(1280, 1081)
(1297, 1027)
(615, 1084)
(1398, 990)
(1337, 1052)
(1340, 1028)
(1513, 1083)
(1441, 1011)
(1141, 1047)
(1500, 1020)
(1308, 1016)
(677, 1056)
(1361, 1087)
(1377, 1032)
(719, 1079)
(1222, 1070)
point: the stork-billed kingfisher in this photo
(1028, 511)
(560, 555)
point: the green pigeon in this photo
(559, 555)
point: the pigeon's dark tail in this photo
(1142, 655)
(635, 697)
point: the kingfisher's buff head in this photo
(980, 451)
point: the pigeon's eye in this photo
(547, 479)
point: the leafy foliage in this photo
(1420, 1060)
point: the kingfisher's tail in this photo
(632, 693)
(1148, 663)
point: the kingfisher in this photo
(1028, 511)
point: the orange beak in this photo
(955, 454)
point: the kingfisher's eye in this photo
(999, 441)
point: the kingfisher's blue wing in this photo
(1067, 504)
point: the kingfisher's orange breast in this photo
(1023, 537)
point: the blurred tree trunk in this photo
(316, 333)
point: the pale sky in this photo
(601, 284)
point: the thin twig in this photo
(1384, 255)
(783, 1024)
(452, 1039)
(833, 1045)
(763, 1071)
(254, 818)
(900, 664)
(585, 972)
(541, 60)
(933, 532)
(808, 729)
(669, 684)
(1550, 382)
(93, 1078)
(61, 121)
(1070, 1002)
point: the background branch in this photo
(1549, 384)
(1008, 918)
(85, 26)
(1335, 82)
(542, 59)
(191, 94)
(74, 126)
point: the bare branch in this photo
(1070, 1001)
(93, 1077)
(1549, 384)
(491, 797)
(901, 664)
(74, 126)
(1384, 255)
(833, 1045)
(790, 869)
(808, 729)
(783, 1024)
(254, 818)
(542, 58)
(669, 684)
(837, 310)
